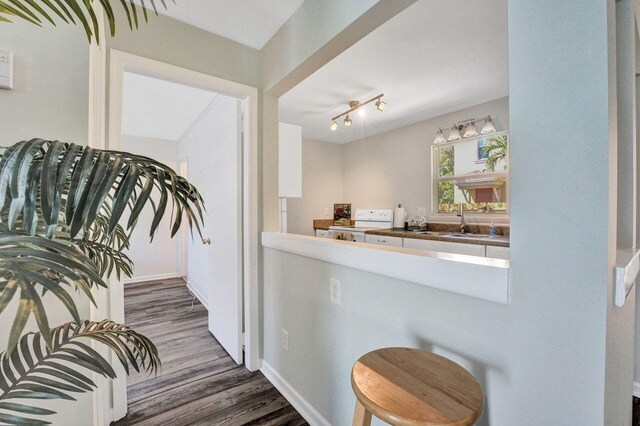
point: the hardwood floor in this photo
(199, 383)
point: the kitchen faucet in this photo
(463, 224)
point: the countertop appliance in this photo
(366, 220)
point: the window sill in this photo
(478, 277)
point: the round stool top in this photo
(406, 386)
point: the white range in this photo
(366, 220)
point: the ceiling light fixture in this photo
(357, 106)
(469, 127)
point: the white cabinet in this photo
(323, 233)
(445, 246)
(290, 161)
(382, 240)
(498, 252)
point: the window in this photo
(473, 171)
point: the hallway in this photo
(198, 384)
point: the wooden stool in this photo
(404, 386)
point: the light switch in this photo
(6, 69)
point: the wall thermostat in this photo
(6, 70)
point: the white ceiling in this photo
(434, 58)
(250, 22)
(158, 109)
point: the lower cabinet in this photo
(323, 233)
(445, 246)
(498, 252)
(382, 240)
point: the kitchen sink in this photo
(451, 234)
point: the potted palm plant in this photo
(62, 230)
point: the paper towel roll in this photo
(398, 218)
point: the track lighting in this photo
(357, 106)
(488, 127)
(469, 127)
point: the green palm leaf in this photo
(28, 262)
(36, 371)
(72, 11)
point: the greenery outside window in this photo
(474, 172)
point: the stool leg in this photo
(362, 416)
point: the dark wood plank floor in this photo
(199, 383)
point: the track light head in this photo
(334, 125)
(347, 121)
(380, 104)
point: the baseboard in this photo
(150, 278)
(303, 406)
(636, 389)
(198, 294)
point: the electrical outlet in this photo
(284, 340)
(334, 291)
(327, 214)
(422, 211)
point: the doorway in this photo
(235, 323)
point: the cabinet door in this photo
(445, 246)
(322, 233)
(498, 252)
(382, 240)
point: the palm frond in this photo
(43, 176)
(38, 371)
(106, 258)
(28, 262)
(73, 11)
(496, 150)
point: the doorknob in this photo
(206, 241)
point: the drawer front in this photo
(445, 246)
(498, 252)
(322, 233)
(383, 241)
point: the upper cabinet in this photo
(290, 161)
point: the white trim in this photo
(155, 277)
(198, 294)
(479, 277)
(121, 62)
(302, 406)
(636, 389)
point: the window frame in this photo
(437, 216)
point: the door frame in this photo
(121, 62)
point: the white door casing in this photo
(118, 64)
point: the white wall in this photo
(50, 95)
(322, 186)
(159, 258)
(377, 172)
(49, 100)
